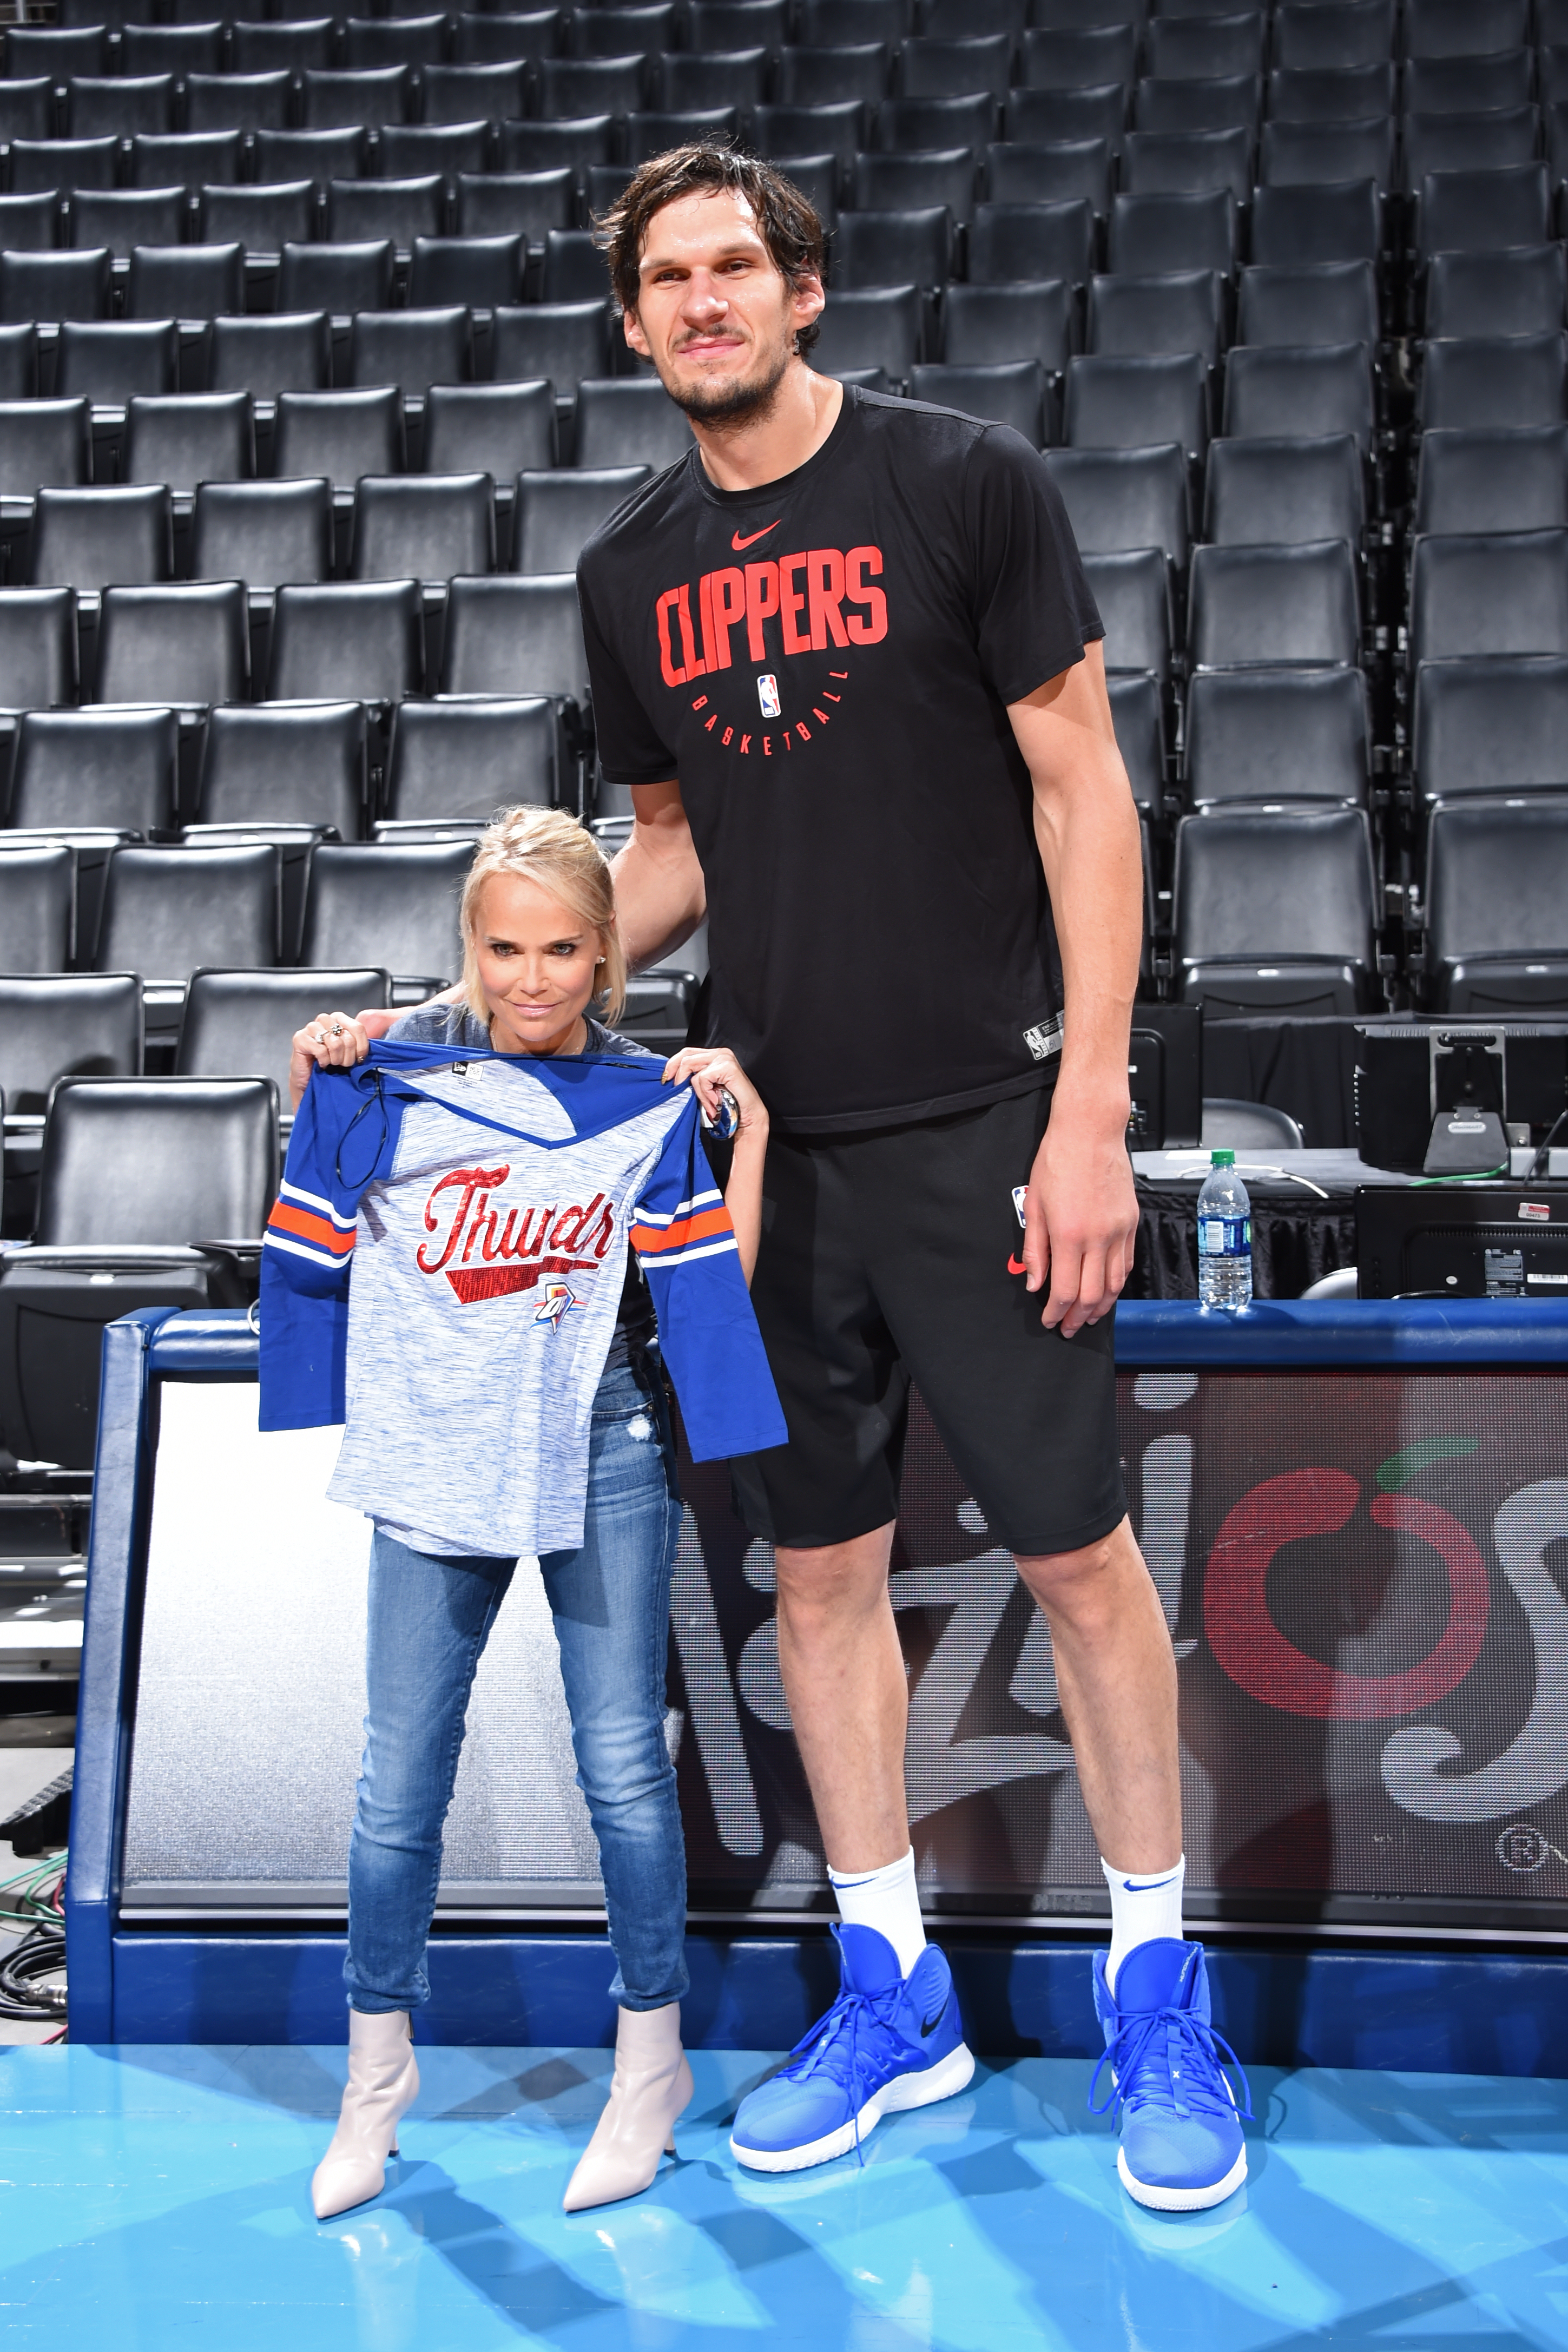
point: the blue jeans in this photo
(429, 1621)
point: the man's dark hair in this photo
(786, 222)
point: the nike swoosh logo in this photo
(1017, 1266)
(736, 543)
(1152, 1887)
(930, 2024)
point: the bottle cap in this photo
(1222, 1159)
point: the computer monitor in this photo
(1166, 1075)
(1409, 1073)
(1462, 1241)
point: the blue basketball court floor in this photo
(155, 2195)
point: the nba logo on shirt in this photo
(768, 693)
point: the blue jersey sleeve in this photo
(686, 1246)
(306, 1256)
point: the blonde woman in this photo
(543, 978)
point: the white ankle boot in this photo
(652, 2086)
(383, 2084)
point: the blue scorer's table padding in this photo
(1479, 2009)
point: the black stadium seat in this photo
(1489, 478)
(184, 161)
(1013, 394)
(84, 771)
(1521, 292)
(1273, 604)
(339, 278)
(242, 1024)
(402, 210)
(1496, 725)
(893, 248)
(204, 437)
(1180, 310)
(318, 155)
(879, 328)
(167, 910)
(1498, 592)
(1181, 106)
(1353, 33)
(1276, 735)
(1188, 161)
(78, 1024)
(38, 648)
(561, 341)
(341, 434)
(186, 281)
(1273, 910)
(1321, 302)
(339, 100)
(121, 217)
(1137, 713)
(808, 76)
(840, 130)
(1325, 155)
(1046, 116)
(685, 80)
(187, 644)
(29, 224)
(615, 31)
(471, 92)
(350, 641)
(1012, 244)
(573, 145)
(1129, 403)
(1340, 221)
(116, 105)
(262, 219)
(1119, 499)
(1283, 492)
(195, 1160)
(1081, 58)
(37, 895)
(1483, 210)
(1152, 233)
(412, 348)
(1464, 28)
(934, 66)
(1468, 142)
(1132, 591)
(913, 183)
(43, 441)
(1333, 94)
(1320, 388)
(499, 429)
(1497, 888)
(370, 42)
(484, 273)
(301, 765)
(515, 204)
(1020, 173)
(570, 88)
(1493, 381)
(483, 39)
(514, 635)
(302, 45)
(458, 762)
(628, 421)
(556, 513)
(52, 286)
(910, 125)
(64, 164)
(240, 100)
(394, 902)
(423, 526)
(1188, 48)
(277, 352)
(574, 269)
(983, 326)
(86, 538)
(18, 361)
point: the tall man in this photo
(844, 658)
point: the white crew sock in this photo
(888, 1900)
(1144, 1905)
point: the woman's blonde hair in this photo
(553, 851)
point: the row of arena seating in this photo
(1274, 908)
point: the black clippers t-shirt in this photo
(825, 665)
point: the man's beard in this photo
(746, 400)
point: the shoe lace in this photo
(838, 2045)
(1171, 2058)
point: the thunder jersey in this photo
(824, 664)
(484, 1204)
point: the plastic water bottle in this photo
(1224, 1235)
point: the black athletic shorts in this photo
(887, 1257)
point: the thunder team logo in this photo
(488, 1248)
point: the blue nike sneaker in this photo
(888, 2043)
(1182, 2148)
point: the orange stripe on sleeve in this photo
(310, 1227)
(652, 1241)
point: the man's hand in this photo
(1081, 1217)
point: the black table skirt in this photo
(1296, 1238)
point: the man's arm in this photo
(661, 895)
(1081, 1215)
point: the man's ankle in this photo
(886, 1900)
